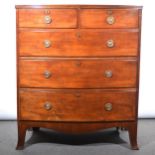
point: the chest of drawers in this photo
(78, 68)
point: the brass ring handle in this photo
(47, 43)
(47, 19)
(108, 106)
(110, 43)
(48, 106)
(110, 20)
(108, 74)
(47, 74)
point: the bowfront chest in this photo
(78, 68)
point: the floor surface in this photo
(107, 142)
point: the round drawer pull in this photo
(110, 20)
(108, 106)
(47, 74)
(48, 106)
(110, 43)
(108, 74)
(47, 43)
(47, 19)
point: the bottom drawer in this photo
(77, 105)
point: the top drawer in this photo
(109, 18)
(48, 18)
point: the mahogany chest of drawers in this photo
(78, 68)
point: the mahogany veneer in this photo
(78, 68)
(78, 42)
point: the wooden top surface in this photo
(77, 6)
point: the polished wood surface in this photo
(79, 6)
(35, 18)
(77, 106)
(81, 73)
(96, 18)
(70, 78)
(77, 42)
(77, 128)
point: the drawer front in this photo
(48, 18)
(88, 105)
(105, 18)
(78, 42)
(78, 73)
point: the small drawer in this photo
(77, 105)
(77, 73)
(48, 18)
(109, 18)
(78, 42)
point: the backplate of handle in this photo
(47, 74)
(108, 73)
(47, 19)
(108, 106)
(47, 43)
(47, 106)
(110, 20)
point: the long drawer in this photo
(77, 73)
(77, 105)
(70, 42)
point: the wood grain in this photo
(78, 128)
(78, 6)
(77, 106)
(61, 18)
(77, 59)
(96, 18)
(78, 42)
(81, 73)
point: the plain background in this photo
(8, 53)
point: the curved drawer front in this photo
(48, 18)
(74, 105)
(78, 73)
(78, 42)
(109, 18)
